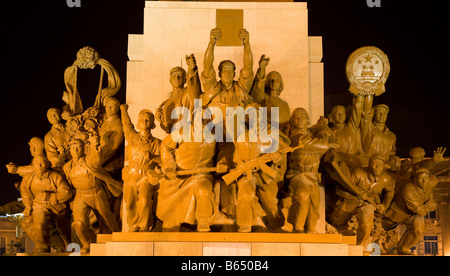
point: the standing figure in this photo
(303, 174)
(180, 96)
(376, 138)
(266, 91)
(36, 148)
(112, 139)
(411, 203)
(258, 185)
(85, 174)
(139, 193)
(347, 129)
(227, 92)
(55, 141)
(46, 197)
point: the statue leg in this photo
(145, 206)
(301, 198)
(365, 216)
(313, 214)
(40, 234)
(81, 223)
(103, 207)
(267, 194)
(130, 199)
(246, 200)
(414, 231)
(342, 212)
(204, 197)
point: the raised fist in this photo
(244, 36)
(215, 35)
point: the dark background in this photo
(40, 39)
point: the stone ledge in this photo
(225, 237)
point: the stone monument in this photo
(186, 30)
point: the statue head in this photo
(338, 114)
(274, 84)
(54, 115)
(36, 146)
(112, 106)
(76, 148)
(87, 58)
(421, 177)
(377, 164)
(40, 164)
(417, 154)
(177, 77)
(380, 113)
(300, 118)
(227, 71)
(146, 120)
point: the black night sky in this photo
(40, 39)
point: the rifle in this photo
(195, 171)
(260, 162)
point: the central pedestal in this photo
(224, 244)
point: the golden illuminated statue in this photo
(36, 148)
(412, 202)
(376, 138)
(139, 190)
(88, 58)
(46, 196)
(227, 92)
(56, 140)
(367, 190)
(112, 138)
(181, 95)
(303, 174)
(258, 183)
(94, 188)
(266, 91)
(186, 193)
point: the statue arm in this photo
(167, 152)
(63, 190)
(414, 203)
(257, 92)
(208, 62)
(356, 112)
(128, 127)
(193, 87)
(246, 75)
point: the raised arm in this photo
(257, 91)
(208, 68)
(247, 70)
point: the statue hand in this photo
(381, 209)
(171, 175)
(27, 211)
(276, 157)
(244, 36)
(215, 35)
(264, 61)
(439, 154)
(12, 168)
(222, 168)
(124, 107)
(190, 61)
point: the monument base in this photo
(224, 244)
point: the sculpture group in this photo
(79, 176)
